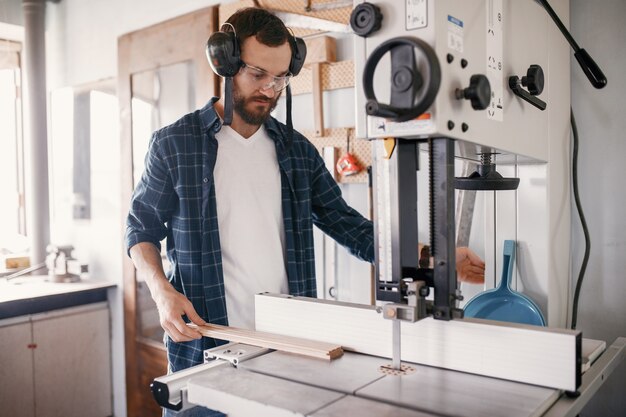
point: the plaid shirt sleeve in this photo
(334, 217)
(153, 200)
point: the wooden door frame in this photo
(175, 40)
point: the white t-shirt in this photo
(250, 219)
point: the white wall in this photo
(89, 30)
(598, 27)
(11, 12)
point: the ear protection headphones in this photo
(224, 53)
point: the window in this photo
(12, 214)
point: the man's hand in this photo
(469, 267)
(172, 306)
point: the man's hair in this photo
(251, 21)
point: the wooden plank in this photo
(16, 261)
(320, 50)
(529, 354)
(318, 100)
(284, 343)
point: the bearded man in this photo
(238, 201)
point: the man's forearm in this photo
(149, 265)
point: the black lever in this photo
(534, 81)
(516, 85)
(589, 66)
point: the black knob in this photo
(366, 19)
(534, 80)
(478, 92)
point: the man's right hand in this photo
(172, 306)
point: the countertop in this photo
(35, 294)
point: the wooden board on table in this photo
(283, 343)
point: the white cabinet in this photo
(16, 368)
(57, 364)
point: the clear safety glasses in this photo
(264, 79)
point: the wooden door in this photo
(163, 74)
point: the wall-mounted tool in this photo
(348, 164)
(533, 80)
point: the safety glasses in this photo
(263, 79)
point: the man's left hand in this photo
(469, 267)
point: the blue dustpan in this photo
(502, 303)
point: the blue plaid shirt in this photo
(175, 198)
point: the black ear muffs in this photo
(298, 55)
(224, 56)
(222, 51)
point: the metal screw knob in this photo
(534, 80)
(478, 92)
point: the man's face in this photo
(252, 102)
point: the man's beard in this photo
(254, 117)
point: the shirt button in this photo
(205, 180)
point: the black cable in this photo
(289, 121)
(228, 101)
(583, 222)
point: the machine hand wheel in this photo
(407, 82)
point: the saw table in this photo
(243, 380)
(282, 384)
